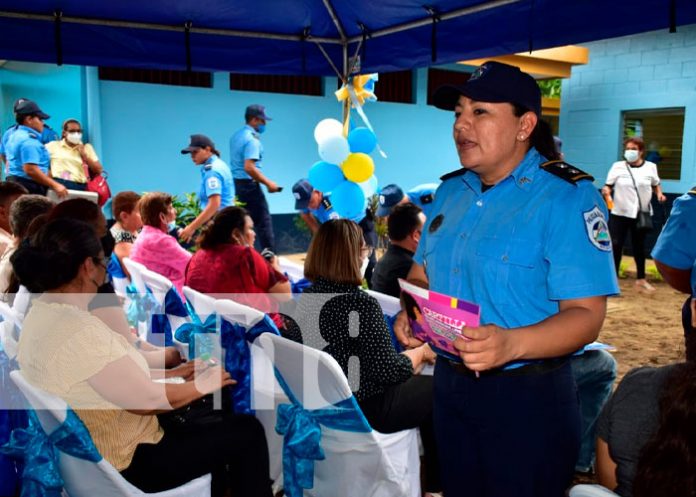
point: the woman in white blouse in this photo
(632, 182)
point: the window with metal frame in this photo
(157, 76)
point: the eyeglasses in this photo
(366, 251)
(73, 130)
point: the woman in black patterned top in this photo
(128, 222)
(336, 316)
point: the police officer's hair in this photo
(403, 220)
(334, 253)
(9, 189)
(152, 205)
(223, 225)
(542, 135)
(20, 118)
(24, 210)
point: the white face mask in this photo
(631, 155)
(74, 138)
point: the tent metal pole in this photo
(164, 27)
(346, 102)
(335, 19)
(328, 59)
(426, 21)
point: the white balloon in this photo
(369, 187)
(327, 128)
(334, 149)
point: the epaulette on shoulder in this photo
(565, 171)
(453, 174)
(326, 203)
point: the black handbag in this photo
(197, 414)
(644, 221)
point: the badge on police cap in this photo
(597, 229)
(436, 223)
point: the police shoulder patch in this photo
(326, 203)
(212, 183)
(597, 229)
(565, 171)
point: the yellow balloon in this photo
(358, 167)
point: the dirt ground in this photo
(644, 327)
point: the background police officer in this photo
(392, 195)
(216, 182)
(27, 157)
(246, 156)
(315, 208)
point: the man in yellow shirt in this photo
(69, 157)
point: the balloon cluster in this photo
(346, 170)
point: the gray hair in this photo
(24, 210)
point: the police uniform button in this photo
(479, 203)
(436, 223)
(505, 258)
(455, 270)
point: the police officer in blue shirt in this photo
(675, 257)
(246, 156)
(48, 134)
(527, 239)
(392, 195)
(315, 208)
(216, 183)
(27, 157)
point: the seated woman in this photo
(227, 263)
(106, 305)
(155, 248)
(351, 324)
(72, 159)
(66, 351)
(128, 223)
(645, 443)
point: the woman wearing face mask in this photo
(227, 263)
(69, 156)
(632, 182)
(335, 315)
(155, 248)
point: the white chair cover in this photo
(135, 269)
(160, 286)
(391, 306)
(84, 478)
(591, 491)
(294, 270)
(364, 464)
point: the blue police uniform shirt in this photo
(423, 196)
(518, 249)
(24, 147)
(5, 138)
(245, 144)
(216, 179)
(48, 135)
(325, 211)
(676, 245)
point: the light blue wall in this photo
(647, 71)
(145, 126)
(139, 129)
(57, 90)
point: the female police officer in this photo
(527, 240)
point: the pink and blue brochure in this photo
(436, 318)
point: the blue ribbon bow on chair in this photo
(299, 286)
(301, 432)
(160, 325)
(193, 334)
(140, 305)
(12, 416)
(41, 476)
(234, 339)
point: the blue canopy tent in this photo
(315, 37)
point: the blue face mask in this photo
(260, 128)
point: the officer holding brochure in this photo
(525, 238)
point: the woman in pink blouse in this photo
(155, 248)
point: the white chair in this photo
(119, 279)
(391, 306)
(204, 306)
(84, 478)
(265, 391)
(591, 491)
(366, 464)
(135, 269)
(294, 270)
(160, 286)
